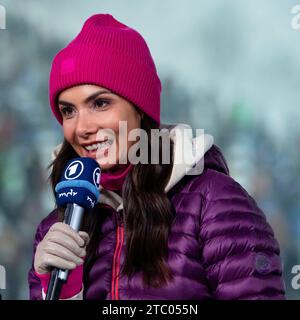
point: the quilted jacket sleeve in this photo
(240, 253)
(35, 289)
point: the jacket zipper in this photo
(116, 259)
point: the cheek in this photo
(68, 133)
(133, 126)
(108, 120)
(124, 139)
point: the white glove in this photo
(62, 247)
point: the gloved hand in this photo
(63, 248)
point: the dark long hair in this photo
(148, 214)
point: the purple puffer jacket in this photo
(220, 245)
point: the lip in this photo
(93, 142)
(93, 153)
(90, 154)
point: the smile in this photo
(98, 146)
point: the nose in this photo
(85, 125)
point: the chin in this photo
(107, 166)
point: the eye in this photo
(66, 111)
(100, 104)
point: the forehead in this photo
(81, 91)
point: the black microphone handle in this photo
(54, 287)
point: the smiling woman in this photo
(157, 231)
(88, 109)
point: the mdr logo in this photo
(2, 17)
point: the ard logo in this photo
(74, 170)
(2, 18)
(96, 177)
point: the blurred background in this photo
(231, 67)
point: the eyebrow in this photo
(86, 100)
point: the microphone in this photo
(78, 191)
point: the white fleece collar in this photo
(188, 152)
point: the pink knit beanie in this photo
(112, 55)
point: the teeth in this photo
(96, 146)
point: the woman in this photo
(158, 231)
